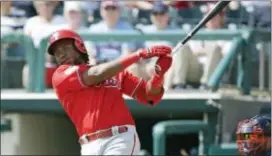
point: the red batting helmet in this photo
(66, 34)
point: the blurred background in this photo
(221, 76)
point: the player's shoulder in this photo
(63, 72)
(62, 69)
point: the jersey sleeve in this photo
(130, 83)
(136, 88)
(67, 78)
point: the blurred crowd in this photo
(194, 64)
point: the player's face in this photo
(65, 52)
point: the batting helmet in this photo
(251, 135)
(66, 34)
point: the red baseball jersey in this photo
(92, 108)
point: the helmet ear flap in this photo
(80, 46)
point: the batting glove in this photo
(162, 65)
(155, 51)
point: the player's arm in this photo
(102, 72)
(151, 91)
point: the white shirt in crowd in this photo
(38, 29)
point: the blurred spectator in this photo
(188, 12)
(44, 23)
(198, 59)
(260, 12)
(73, 14)
(160, 22)
(183, 7)
(26, 7)
(11, 19)
(141, 5)
(92, 10)
(251, 13)
(58, 7)
(12, 54)
(143, 9)
(110, 13)
(179, 4)
(160, 19)
(39, 27)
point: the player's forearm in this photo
(154, 89)
(102, 72)
(107, 70)
(154, 86)
(148, 94)
(153, 93)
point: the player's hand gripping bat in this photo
(218, 8)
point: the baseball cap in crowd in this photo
(159, 7)
(114, 4)
(72, 6)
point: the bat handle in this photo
(176, 48)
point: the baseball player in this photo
(92, 95)
(254, 136)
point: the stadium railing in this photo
(27, 43)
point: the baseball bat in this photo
(220, 5)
